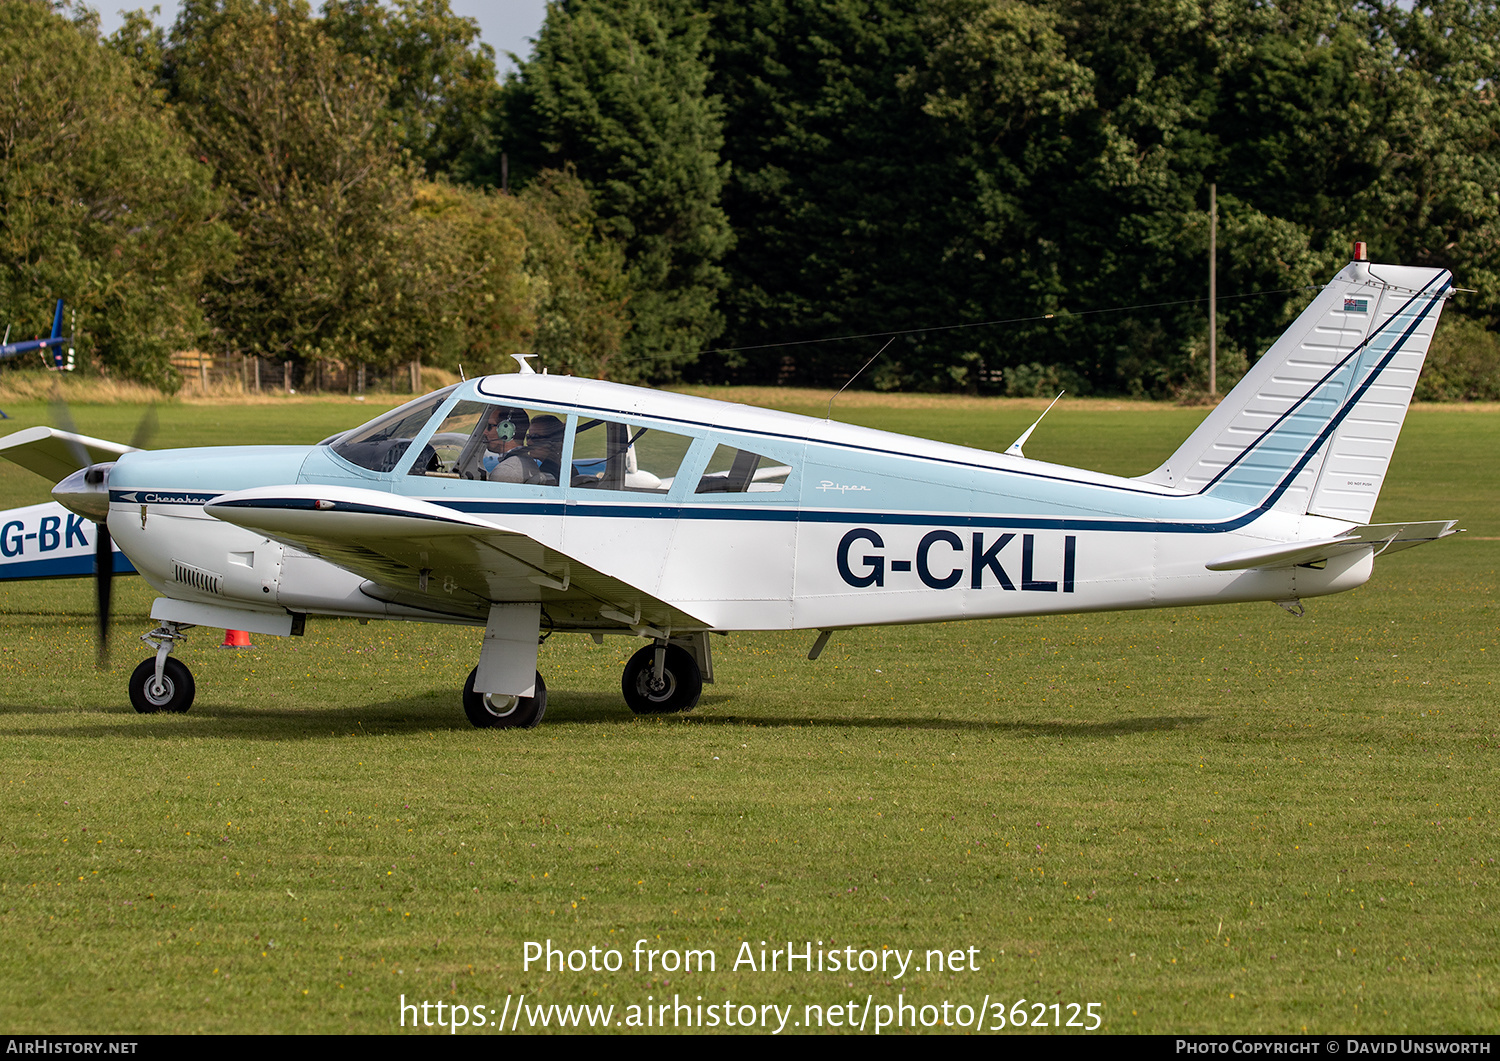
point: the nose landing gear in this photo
(162, 684)
(174, 691)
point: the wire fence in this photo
(209, 373)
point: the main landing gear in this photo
(498, 711)
(662, 679)
(162, 684)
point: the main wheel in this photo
(498, 711)
(176, 692)
(680, 686)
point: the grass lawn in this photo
(1217, 820)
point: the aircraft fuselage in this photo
(866, 527)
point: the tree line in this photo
(262, 181)
(725, 190)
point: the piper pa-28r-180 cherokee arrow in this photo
(528, 504)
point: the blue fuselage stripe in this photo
(793, 515)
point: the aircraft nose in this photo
(86, 492)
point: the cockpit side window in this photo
(612, 455)
(501, 444)
(380, 444)
(738, 471)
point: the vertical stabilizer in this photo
(1312, 426)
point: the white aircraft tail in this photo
(1311, 428)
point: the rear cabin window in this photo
(738, 471)
(612, 455)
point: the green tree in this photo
(443, 90)
(617, 88)
(901, 163)
(580, 288)
(317, 187)
(466, 296)
(101, 201)
(142, 41)
(841, 194)
(1084, 132)
(1446, 146)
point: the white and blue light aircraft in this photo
(529, 504)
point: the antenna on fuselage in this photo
(520, 359)
(1015, 447)
(854, 377)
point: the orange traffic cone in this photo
(236, 639)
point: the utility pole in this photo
(1213, 291)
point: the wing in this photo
(427, 556)
(52, 453)
(1385, 537)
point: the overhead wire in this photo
(995, 323)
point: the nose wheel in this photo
(173, 692)
(675, 687)
(162, 683)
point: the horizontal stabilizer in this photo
(54, 454)
(1384, 537)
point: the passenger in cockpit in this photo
(544, 442)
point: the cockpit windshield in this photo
(380, 444)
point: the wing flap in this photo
(429, 556)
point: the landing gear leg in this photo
(498, 694)
(162, 684)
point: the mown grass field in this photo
(1208, 819)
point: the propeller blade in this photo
(146, 429)
(104, 573)
(64, 419)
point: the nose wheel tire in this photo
(680, 686)
(498, 711)
(175, 693)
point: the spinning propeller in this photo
(87, 491)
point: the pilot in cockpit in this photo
(504, 432)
